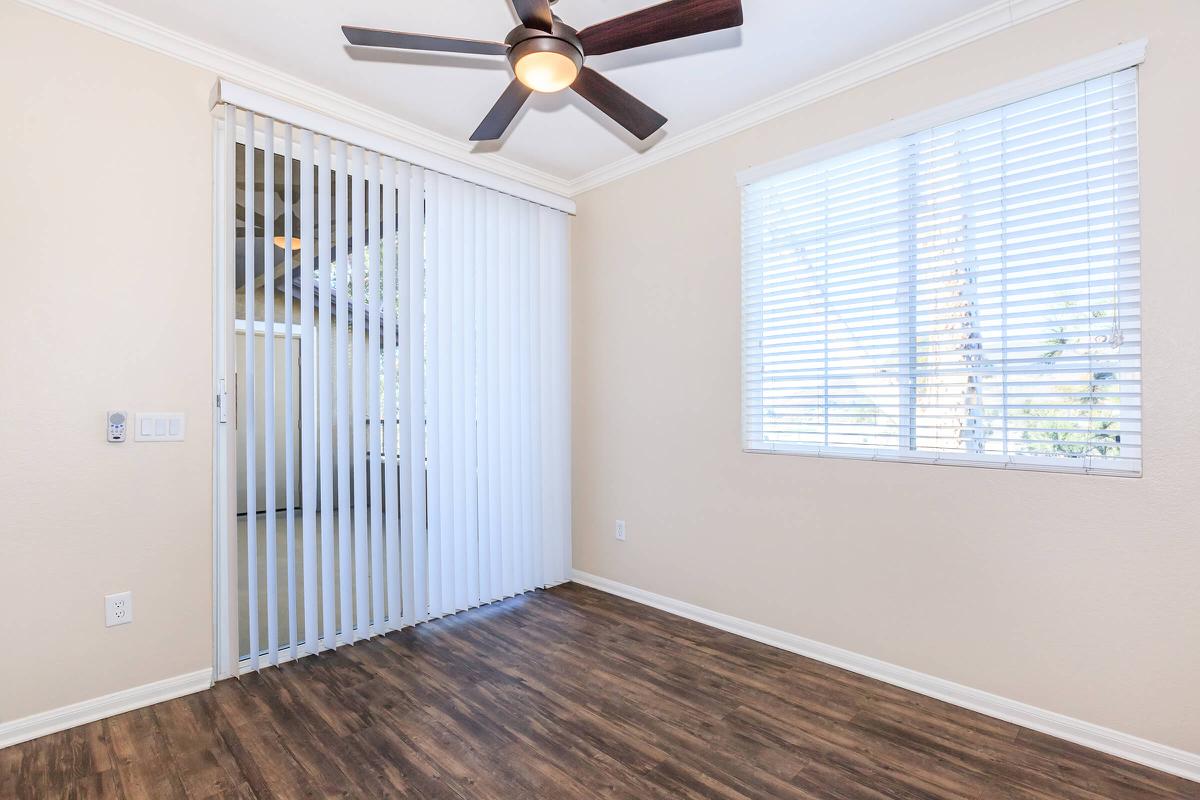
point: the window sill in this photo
(1094, 467)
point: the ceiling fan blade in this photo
(632, 114)
(534, 14)
(370, 37)
(498, 119)
(671, 20)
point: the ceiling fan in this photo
(547, 55)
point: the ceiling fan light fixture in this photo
(545, 63)
(546, 72)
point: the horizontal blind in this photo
(967, 294)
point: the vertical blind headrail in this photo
(228, 92)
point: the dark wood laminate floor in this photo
(567, 693)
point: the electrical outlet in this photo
(118, 609)
(620, 530)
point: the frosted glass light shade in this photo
(546, 71)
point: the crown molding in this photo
(995, 17)
(262, 78)
(1106, 62)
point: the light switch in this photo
(160, 427)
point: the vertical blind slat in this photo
(544, 390)
(251, 461)
(308, 395)
(492, 425)
(525, 464)
(402, 586)
(391, 494)
(342, 407)
(460, 331)
(433, 408)
(504, 446)
(289, 413)
(512, 418)
(229, 616)
(562, 398)
(445, 351)
(374, 343)
(269, 507)
(476, 411)
(325, 386)
(418, 568)
(362, 371)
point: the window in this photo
(965, 294)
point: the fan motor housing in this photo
(561, 39)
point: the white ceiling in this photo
(691, 81)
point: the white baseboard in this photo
(58, 719)
(1123, 745)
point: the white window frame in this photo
(1116, 59)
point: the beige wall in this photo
(1078, 594)
(106, 218)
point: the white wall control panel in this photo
(116, 425)
(159, 427)
(118, 609)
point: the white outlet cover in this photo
(621, 530)
(118, 609)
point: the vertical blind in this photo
(965, 294)
(402, 391)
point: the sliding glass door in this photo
(393, 348)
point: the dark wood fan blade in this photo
(534, 14)
(671, 20)
(632, 114)
(498, 119)
(370, 37)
